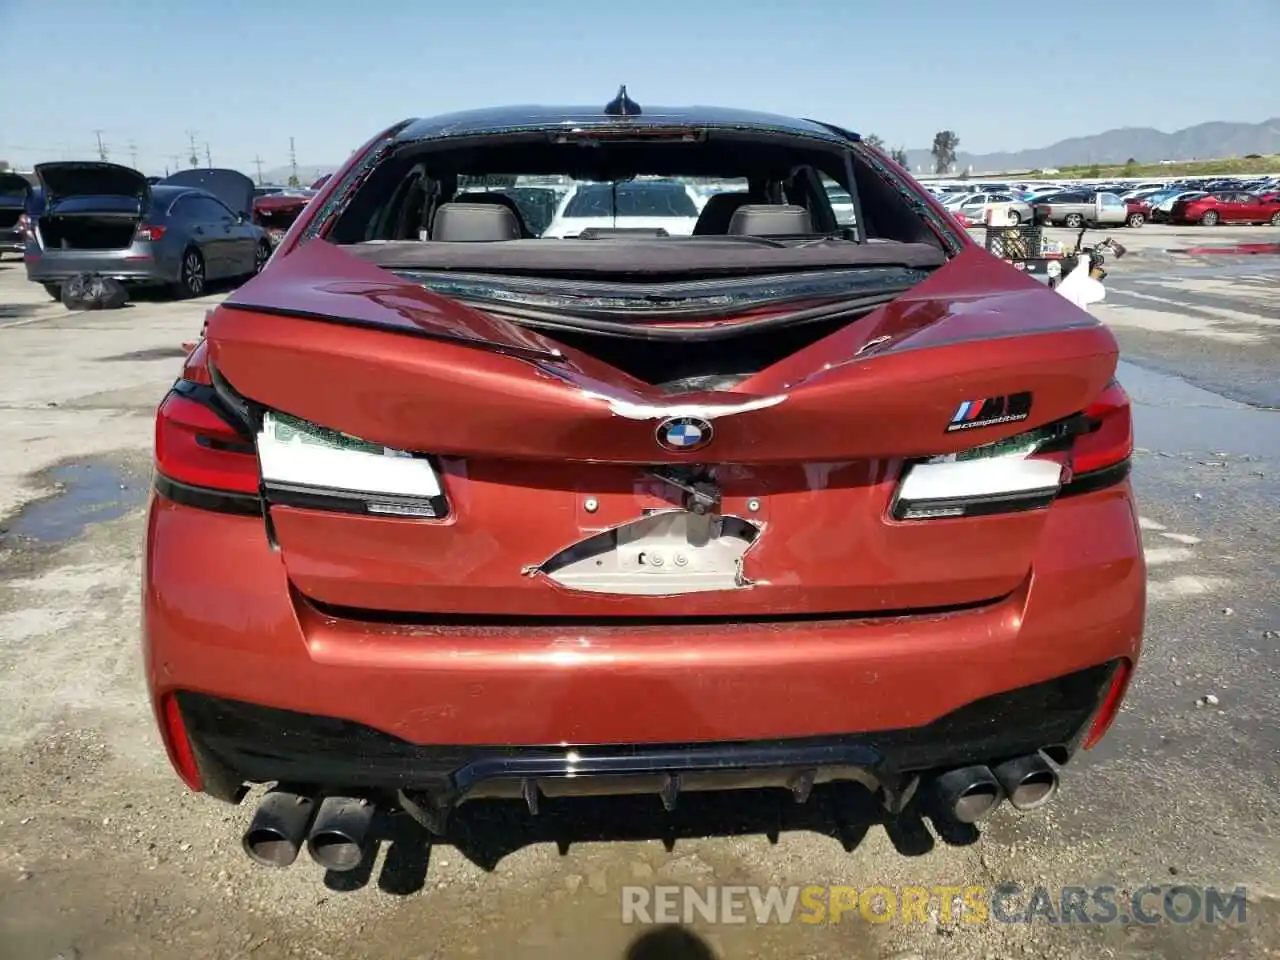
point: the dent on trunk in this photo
(660, 554)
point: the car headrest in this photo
(493, 197)
(474, 223)
(770, 220)
(718, 211)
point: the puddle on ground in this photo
(90, 493)
(1174, 416)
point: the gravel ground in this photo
(103, 853)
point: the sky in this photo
(243, 77)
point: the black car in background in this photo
(15, 193)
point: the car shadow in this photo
(486, 831)
(19, 311)
(669, 943)
(158, 293)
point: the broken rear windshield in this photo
(690, 183)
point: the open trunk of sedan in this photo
(91, 205)
(276, 214)
(89, 229)
(14, 191)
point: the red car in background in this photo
(444, 510)
(276, 212)
(1139, 212)
(1228, 207)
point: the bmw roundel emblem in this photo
(683, 434)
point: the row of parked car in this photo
(1223, 202)
(200, 225)
(182, 231)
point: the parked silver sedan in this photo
(1077, 208)
(108, 220)
(974, 207)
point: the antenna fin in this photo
(622, 105)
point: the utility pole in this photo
(176, 159)
(102, 147)
(208, 157)
(257, 162)
(194, 156)
(293, 165)
(133, 154)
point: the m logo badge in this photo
(990, 411)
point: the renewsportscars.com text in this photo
(1010, 903)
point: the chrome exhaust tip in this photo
(338, 836)
(1029, 782)
(967, 795)
(279, 825)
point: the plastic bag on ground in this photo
(88, 292)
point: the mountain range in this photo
(1204, 141)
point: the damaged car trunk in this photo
(777, 417)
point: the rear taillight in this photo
(307, 465)
(1108, 439)
(24, 227)
(204, 456)
(149, 231)
(196, 367)
(1079, 454)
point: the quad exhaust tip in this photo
(278, 828)
(1029, 782)
(967, 795)
(339, 836)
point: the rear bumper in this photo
(117, 265)
(237, 742)
(387, 704)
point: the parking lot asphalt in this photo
(104, 854)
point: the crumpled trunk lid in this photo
(565, 497)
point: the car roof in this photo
(533, 118)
